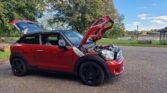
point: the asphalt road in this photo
(145, 72)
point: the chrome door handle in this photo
(39, 50)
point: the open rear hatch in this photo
(26, 26)
(97, 30)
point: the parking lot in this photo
(145, 72)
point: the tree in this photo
(80, 14)
(16, 9)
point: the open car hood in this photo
(26, 26)
(97, 30)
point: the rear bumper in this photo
(115, 67)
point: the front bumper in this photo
(115, 67)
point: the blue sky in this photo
(148, 14)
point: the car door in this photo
(51, 56)
(29, 44)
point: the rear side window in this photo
(30, 39)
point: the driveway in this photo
(145, 72)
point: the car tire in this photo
(19, 67)
(91, 73)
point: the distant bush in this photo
(145, 41)
(163, 42)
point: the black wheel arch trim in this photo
(14, 55)
(94, 58)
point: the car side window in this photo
(29, 39)
(50, 39)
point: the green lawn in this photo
(3, 39)
(4, 55)
(107, 41)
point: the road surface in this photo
(145, 72)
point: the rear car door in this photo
(51, 56)
(28, 45)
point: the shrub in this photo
(145, 41)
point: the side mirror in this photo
(62, 44)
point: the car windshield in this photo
(28, 27)
(75, 38)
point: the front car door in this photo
(51, 56)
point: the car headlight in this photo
(119, 55)
(109, 55)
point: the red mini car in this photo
(66, 51)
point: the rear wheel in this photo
(91, 73)
(19, 67)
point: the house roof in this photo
(163, 30)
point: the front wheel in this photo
(19, 67)
(91, 73)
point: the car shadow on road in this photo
(68, 77)
(53, 75)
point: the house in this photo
(163, 33)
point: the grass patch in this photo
(10, 38)
(6, 39)
(4, 55)
(107, 41)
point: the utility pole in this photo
(137, 32)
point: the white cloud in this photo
(159, 18)
(153, 19)
(147, 22)
(157, 21)
(142, 16)
(146, 25)
(145, 16)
